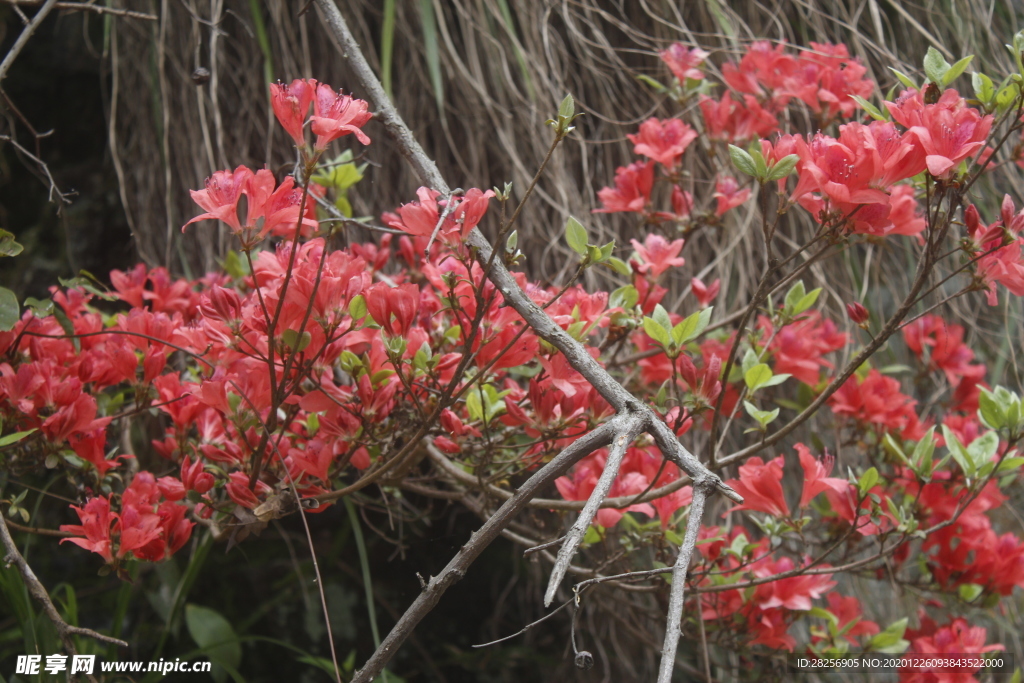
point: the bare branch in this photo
(38, 592)
(88, 7)
(22, 40)
(483, 537)
(604, 485)
(673, 627)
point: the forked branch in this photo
(633, 416)
(38, 592)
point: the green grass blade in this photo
(387, 45)
(364, 564)
(430, 45)
(261, 37)
(506, 15)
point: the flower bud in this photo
(858, 314)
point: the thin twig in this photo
(674, 625)
(88, 7)
(604, 484)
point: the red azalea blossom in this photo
(632, 189)
(683, 61)
(291, 105)
(335, 115)
(663, 141)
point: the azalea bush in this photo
(313, 367)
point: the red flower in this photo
(269, 209)
(663, 141)
(238, 490)
(728, 194)
(794, 593)
(393, 308)
(335, 115)
(658, 254)
(876, 400)
(949, 130)
(194, 477)
(858, 314)
(816, 477)
(291, 104)
(760, 485)
(683, 61)
(632, 189)
(220, 198)
(848, 613)
(732, 121)
(957, 641)
(97, 522)
(705, 294)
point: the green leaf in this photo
(624, 297)
(794, 295)
(760, 165)
(982, 449)
(214, 634)
(749, 360)
(783, 167)
(357, 307)
(922, 455)
(889, 637)
(662, 317)
(1007, 465)
(935, 66)
(954, 71)
(10, 312)
(567, 108)
(512, 243)
(8, 247)
(959, 453)
(576, 236)
(969, 591)
(619, 266)
(656, 332)
(743, 161)
(867, 481)
(294, 341)
(763, 417)
(873, 111)
(895, 448)
(15, 437)
(691, 326)
(984, 89)
(41, 309)
(906, 80)
(776, 380)
(806, 301)
(474, 405)
(757, 376)
(658, 87)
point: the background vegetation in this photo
(136, 122)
